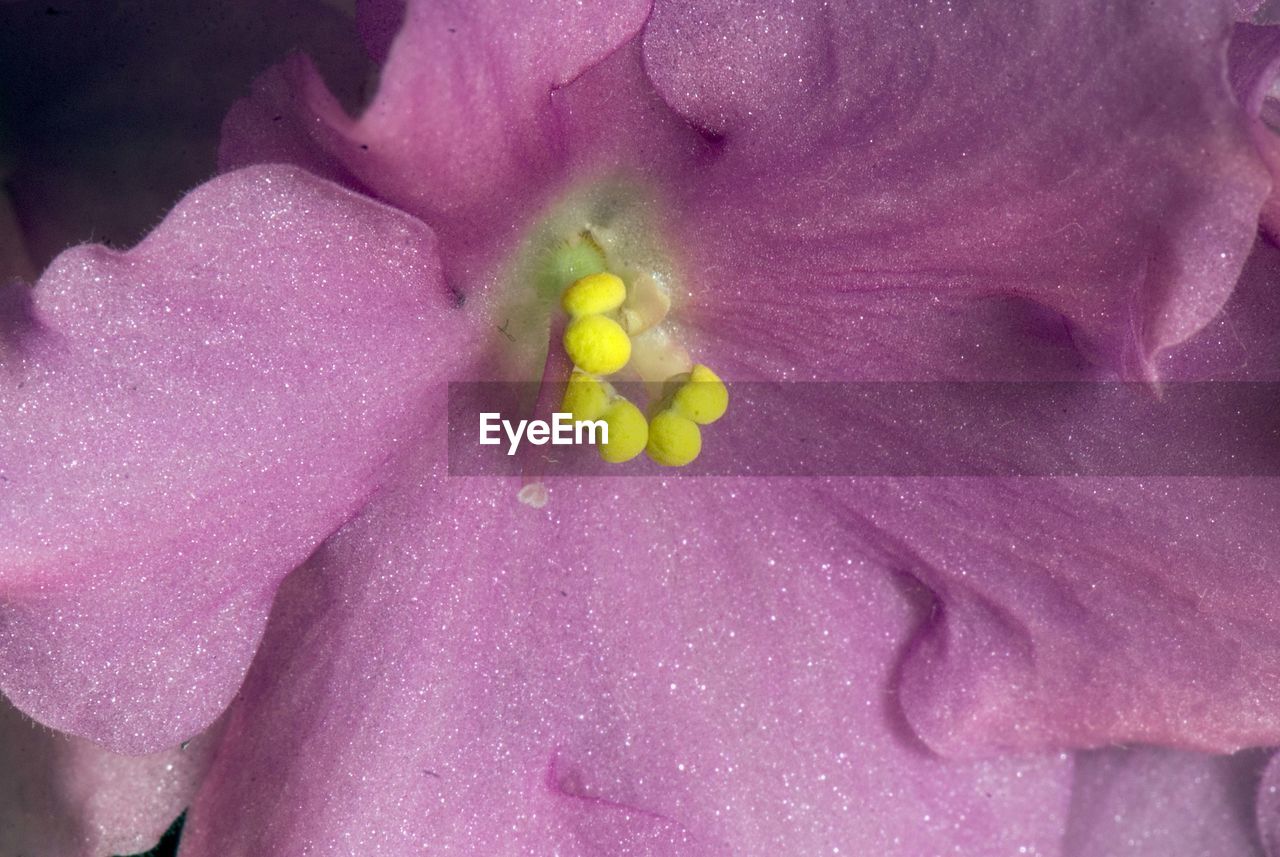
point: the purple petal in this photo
(1254, 62)
(1039, 583)
(183, 423)
(643, 666)
(1040, 153)
(379, 21)
(63, 796)
(462, 117)
(1149, 802)
(479, 178)
(942, 156)
(1079, 612)
(1072, 611)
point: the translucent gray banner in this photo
(919, 429)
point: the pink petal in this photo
(478, 161)
(463, 118)
(183, 424)
(1149, 802)
(976, 675)
(1246, 10)
(938, 155)
(1091, 161)
(643, 667)
(1072, 611)
(1254, 64)
(1080, 612)
(65, 797)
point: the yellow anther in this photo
(597, 344)
(628, 432)
(703, 398)
(584, 397)
(674, 440)
(594, 294)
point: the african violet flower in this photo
(1060, 191)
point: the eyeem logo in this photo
(563, 430)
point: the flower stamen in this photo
(695, 398)
(589, 399)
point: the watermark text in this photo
(563, 430)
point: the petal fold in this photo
(67, 797)
(462, 119)
(1071, 611)
(1254, 62)
(182, 424)
(1086, 156)
(483, 676)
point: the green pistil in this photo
(567, 262)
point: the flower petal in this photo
(379, 21)
(181, 424)
(63, 796)
(463, 117)
(1072, 611)
(1149, 802)
(1254, 62)
(1088, 158)
(643, 666)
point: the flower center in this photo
(612, 285)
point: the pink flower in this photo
(1061, 191)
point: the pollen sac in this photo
(589, 399)
(693, 398)
(597, 344)
(594, 295)
(703, 398)
(628, 432)
(586, 398)
(674, 439)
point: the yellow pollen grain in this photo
(628, 432)
(674, 439)
(703, 398)
(594, 294)
(597, 345)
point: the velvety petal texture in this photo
(1130, 609)
(666, 666)
(66, 797)
(963, 149)
(619, 672)
(1071, 611)
(180, 426)
(462, 117)
(965, 191)
(1254, 64)
(1086, 155)
(1148, 802)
